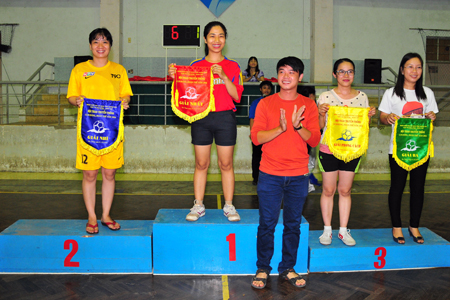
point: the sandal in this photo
(107, 224)
(263, 280)
(292, 280)
(399, 239)
(93, 227)
(416, 238)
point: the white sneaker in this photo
(347, 238)
(197, 211)
(326, 237)
(230, 212)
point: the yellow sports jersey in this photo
(106, 83)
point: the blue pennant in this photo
(100, 122)
(217, 7)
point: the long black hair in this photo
(248, 65)
(208, 29)
(398, 89)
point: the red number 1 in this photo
(231, 238)
(67, 262)
(382, 255)
(174, 33)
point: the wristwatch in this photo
(299, 127)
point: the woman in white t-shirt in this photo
(332, 167)
(408, 97)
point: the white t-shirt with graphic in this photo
(392, 104)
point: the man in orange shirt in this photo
(284, 123)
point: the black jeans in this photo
(416, 186)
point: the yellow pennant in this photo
(347, 133)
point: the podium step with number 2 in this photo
(63, 246)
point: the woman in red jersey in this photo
(218, 126)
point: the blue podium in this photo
(375, 250)
(63, 246)
(214, 245)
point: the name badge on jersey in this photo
(192, 92)
(100, 127)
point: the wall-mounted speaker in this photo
(372, 70)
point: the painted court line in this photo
(225, 290)
(219, 202)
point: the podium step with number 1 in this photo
(214, 245)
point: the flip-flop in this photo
(92, 226)
(113, 223)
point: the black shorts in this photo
(219, 126)
(329, 163)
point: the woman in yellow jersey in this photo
(105, 80)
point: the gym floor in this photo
(140, 196)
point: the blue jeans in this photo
(272, 190)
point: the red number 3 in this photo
(67, 262)
(381, 251)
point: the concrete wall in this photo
(381, 28)
(167, 149)
(47, 29)
(269, 30)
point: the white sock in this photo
(327, 228)
(342, 229)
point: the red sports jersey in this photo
(232, 69)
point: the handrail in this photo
(372, 90)
(442, 99)
(392, 71)
(38, 71)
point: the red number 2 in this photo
(381, 251)
(231, 238)
(174, 33)
(67, 262)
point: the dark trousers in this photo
(417, 190)
(272, 190)
(256, 160)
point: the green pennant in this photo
(412, 142)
